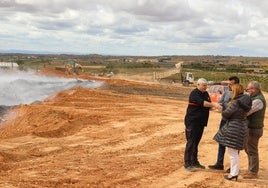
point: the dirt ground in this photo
(124, 134)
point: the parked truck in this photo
(186, 78)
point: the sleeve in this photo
(227, 113)
(257, 105)
(222, 98)
(225, 98)
(197, 98)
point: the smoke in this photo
(24, 87)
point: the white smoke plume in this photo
(25, 87)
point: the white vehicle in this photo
(187, 78)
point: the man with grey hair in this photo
(195, 120)
(255, 128)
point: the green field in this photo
(213, 68)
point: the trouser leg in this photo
(234, 159)
(193, 137)
(221, 148)
(221, 152)
(252, 150)
(197, 137)
(188, 147)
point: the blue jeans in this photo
(221, 148)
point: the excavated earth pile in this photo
(123, 134)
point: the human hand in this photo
(217, 107)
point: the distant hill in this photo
(14, 51)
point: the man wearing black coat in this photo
(195, 120)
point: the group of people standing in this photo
(241, 126)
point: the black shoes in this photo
(231, 177)
(190, 169)
(198, 165)
(194, 167)
(216, 167)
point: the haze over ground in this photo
(26, 87)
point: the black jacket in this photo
(234, 133)
(197, 114)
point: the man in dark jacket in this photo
(195, 120)
(255, 128)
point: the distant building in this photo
(8, 65)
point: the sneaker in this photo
(250, 176)
(216, 167)
(190, 169)
(198, 165)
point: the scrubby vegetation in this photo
(214, 68)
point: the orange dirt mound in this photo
(124, 134)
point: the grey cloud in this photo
(160, 11)
(130, 30)
(48, 6)
(13, 5)
(55, 25)
(6, 4)
(172, 22)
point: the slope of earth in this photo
(124, 134)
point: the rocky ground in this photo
(124, 134)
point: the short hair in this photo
(202, 81)
(235, 79)
(255, 85)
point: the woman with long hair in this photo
(234, 134)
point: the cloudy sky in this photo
(136, 27)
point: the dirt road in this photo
(125, 134)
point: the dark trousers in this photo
(193, 135)
(252, 150)
(221, 148)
